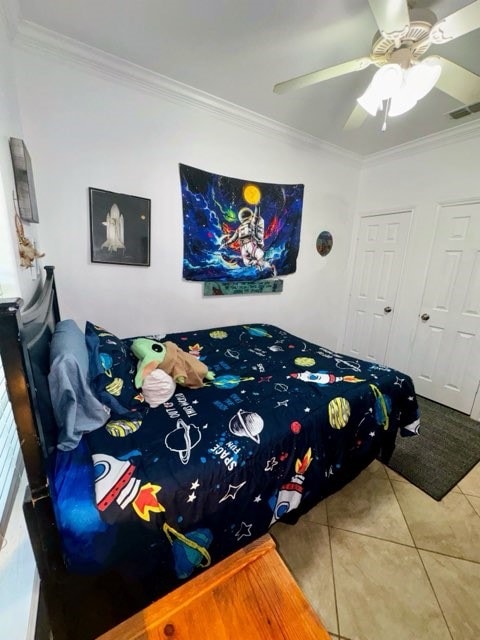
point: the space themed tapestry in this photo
(238, 230)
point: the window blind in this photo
(10, 460)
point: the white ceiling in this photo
(237, 50)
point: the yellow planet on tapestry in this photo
(251, 194)
(304, 361)
(338, 412)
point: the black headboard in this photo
(25, 335)
(77, 606)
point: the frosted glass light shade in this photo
(387, 81)
(402, 87)
(421, 78)
(401, 103)
(370, 101)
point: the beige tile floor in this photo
(381, 560)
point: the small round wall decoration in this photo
(324, 243)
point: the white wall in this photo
(17, 566)
(14, 281)
(86, 129)
(420, 179)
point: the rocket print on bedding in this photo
(279, 427)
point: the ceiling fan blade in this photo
(391, 17)
(323, 74)
(356, 118)
(458, 82)
(456, 24)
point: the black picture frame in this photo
(23, 175)
(119, 228)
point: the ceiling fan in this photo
(404, 76)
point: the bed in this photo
(120, 513)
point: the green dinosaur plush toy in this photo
(184, 368)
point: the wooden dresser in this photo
(249, 596)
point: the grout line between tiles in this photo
(320, 524)
(447, 555)
(413, 545)
(466, 492)
(421, 560)
(469, 495)
(401, 510)
(442, 553)
(329, 528)
(435, 593)
(370, 535)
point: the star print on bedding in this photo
(283, 424)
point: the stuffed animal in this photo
(26, 249)
(157, 388)
(184, 368)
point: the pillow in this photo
(76, 409)
(68, 338)
(112, 369)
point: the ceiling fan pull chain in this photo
(387, 109)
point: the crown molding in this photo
(458, 133)
(9, 15)
(30, 36)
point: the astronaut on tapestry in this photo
(237, 230)
(250, 235)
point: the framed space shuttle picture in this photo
(119, 228)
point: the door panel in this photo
(445, 362)
(379, 261)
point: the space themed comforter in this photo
(283, 424)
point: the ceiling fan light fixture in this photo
(422, 77)
(404, 35)
(401, 103)
(385, 83)
(401, 88)
(417, 82)
(370, 101)
(387, 80)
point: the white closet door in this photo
(445, 361)
(379, 260)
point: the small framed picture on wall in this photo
(119, 228)
(23, 175)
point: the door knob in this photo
(387, 309)
(425, 317)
